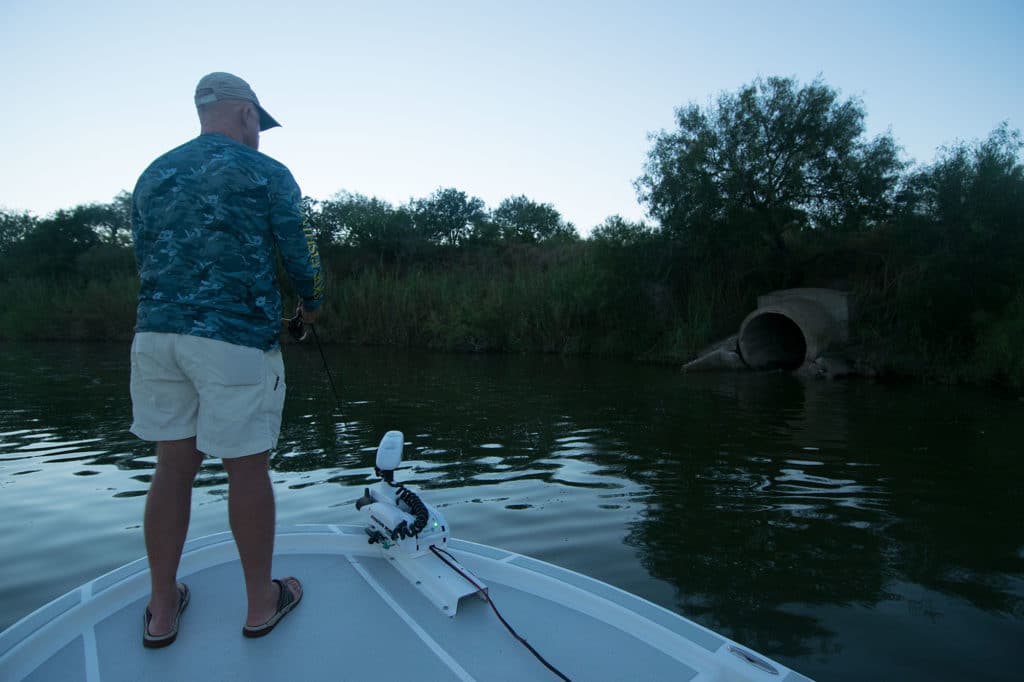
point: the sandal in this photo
(158, 641)
(285, 603)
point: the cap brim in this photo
(266, 120)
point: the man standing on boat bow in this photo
(209, 219)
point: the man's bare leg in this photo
(251, 512)
(165, 523)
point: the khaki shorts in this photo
(229, 397)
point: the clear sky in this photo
(554, 100)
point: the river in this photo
(851, 530)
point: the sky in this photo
(552, 100)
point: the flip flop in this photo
(285, 603)
(156, 642)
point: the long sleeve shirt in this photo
(209, 219)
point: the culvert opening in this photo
(773, 341)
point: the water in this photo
(852, 531)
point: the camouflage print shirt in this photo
(207, 218)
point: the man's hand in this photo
(307, 316)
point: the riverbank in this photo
(565, 301)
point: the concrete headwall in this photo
(793, 326)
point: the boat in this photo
(396, 598)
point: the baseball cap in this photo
(219, 85)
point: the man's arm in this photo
(296, 242)
(136, 224)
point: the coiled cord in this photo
(416, 507)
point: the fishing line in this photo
(327, 369)
(297, 330)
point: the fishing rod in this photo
(297, 330)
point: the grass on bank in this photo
(580, 299)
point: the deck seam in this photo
(431, 643)
(91, 653)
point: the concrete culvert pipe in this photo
(786, 335)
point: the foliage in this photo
(52, 247)
(518, 219)
(616, 231)
(448, 219)
(369, 225)
(962, 235)
(44, 308)
(999, 355)
(112, 221)
(448, 216)
(483, 302)
(632, 265)
(13, 228)
(771, 159)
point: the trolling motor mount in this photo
(411, 533)
(396, 514)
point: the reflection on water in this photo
(852, 531)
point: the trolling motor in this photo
(397, 516)
(413, 535)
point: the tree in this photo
(964, 228)
(973, 188)
(521, 220)
(52, 247)
(315, 219)
(112, 222)
(484, 233)
(120, 218)
(447, 216)
(13, 227)
(367, 223)
(771, 158)
(617, 231)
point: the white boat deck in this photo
(360, 619)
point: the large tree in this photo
(772, 157)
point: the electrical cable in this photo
(416, 506)
(439, 553)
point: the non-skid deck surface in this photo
(360, 620)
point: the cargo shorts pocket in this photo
(152, 358)
(239, 365)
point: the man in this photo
(208, 220)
